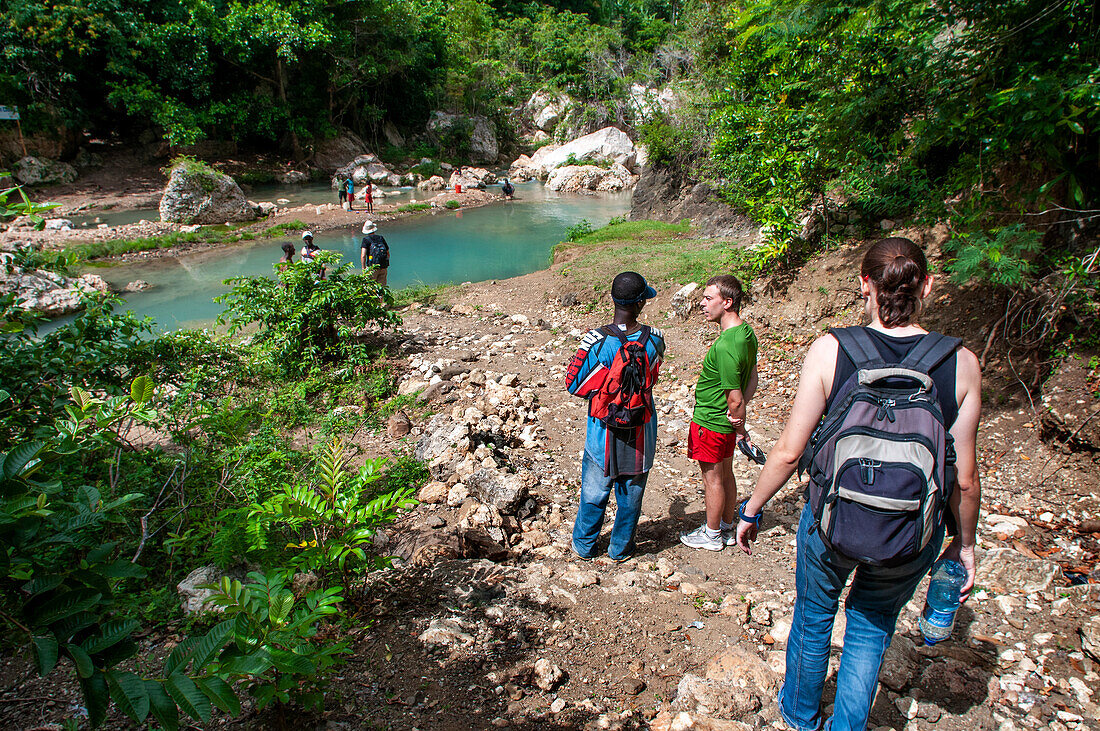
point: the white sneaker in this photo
(698, 538)
(729, 537)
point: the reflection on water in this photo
(492, 242)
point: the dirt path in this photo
(468, 635)
(489, 621)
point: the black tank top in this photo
(893, 349)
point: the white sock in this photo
(711, 533)
(725, 526)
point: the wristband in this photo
(754, 519)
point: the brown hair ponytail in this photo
(897, 269)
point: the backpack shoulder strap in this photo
(613, 331)
(857, 344)
(643, 339)
(931, 350)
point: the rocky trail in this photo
(490, 620)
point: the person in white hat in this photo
(374, 253)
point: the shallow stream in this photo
(492, 242)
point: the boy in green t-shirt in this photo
(726, 383)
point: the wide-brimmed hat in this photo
(630, 288)
(369, 227)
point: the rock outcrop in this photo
(48, 292)
(665, 194)
(32, 170)
(331, 154)
(545, 109)
(484, 146)
(470, 177)
(197, 194)
(363, 168)
(572, 178)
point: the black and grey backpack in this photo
(881, 463)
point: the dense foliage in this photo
(129, 459)
(972, 110)
(269, 72)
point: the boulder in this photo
(608, 143)
(1004, 571)
(573, 178)
(469, 177)
(546, 109)
(483, 141)
(192, 598)
(1090, 637)
(501, 490)
(720, 698)
(742, 669)
(331, 154)
(685, 301)
(364, 168)
(293, 177)
(433, 183)
(398, 425)
(31, 170)
(441, 434)
(899, 663)
(138, 285)
(47, 292)
(58, 224)
(197, 194)
(646, 102)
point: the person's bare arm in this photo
(965, 499)
(735, 407)
(809, 405)
(363, 257)
(754, 381)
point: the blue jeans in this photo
(595, 491)
(876, 597)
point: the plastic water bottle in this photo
(938, 618)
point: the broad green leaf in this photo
(45, 654)
(112, 632)
(80, 397)
(96, 698)
(163, 707)
(220, 692)
(180, 655)
(190, 699)
(206, 648)
(141, 390)
(84, 665)
(253, 664)
(130, 694)
(66, 605)
(290, 662)
(21, 455)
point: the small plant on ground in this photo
(452, 205)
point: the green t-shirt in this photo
(726, 367)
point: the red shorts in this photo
(709, 446)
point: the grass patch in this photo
(211, 235)
(452, 205)
(410, 207)
(425, 294)
(662, 252)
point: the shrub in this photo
(452, 205)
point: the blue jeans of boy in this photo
(876, 597)
(595, 491)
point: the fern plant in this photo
(328, 522)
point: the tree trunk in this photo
(280, 75)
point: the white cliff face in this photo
(606, 145)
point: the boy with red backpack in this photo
(615, 368)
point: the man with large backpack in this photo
(615, 368)
(375, 253)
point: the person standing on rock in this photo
(615, 368)
(727, 382)
(375, 253)
(894, 281)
